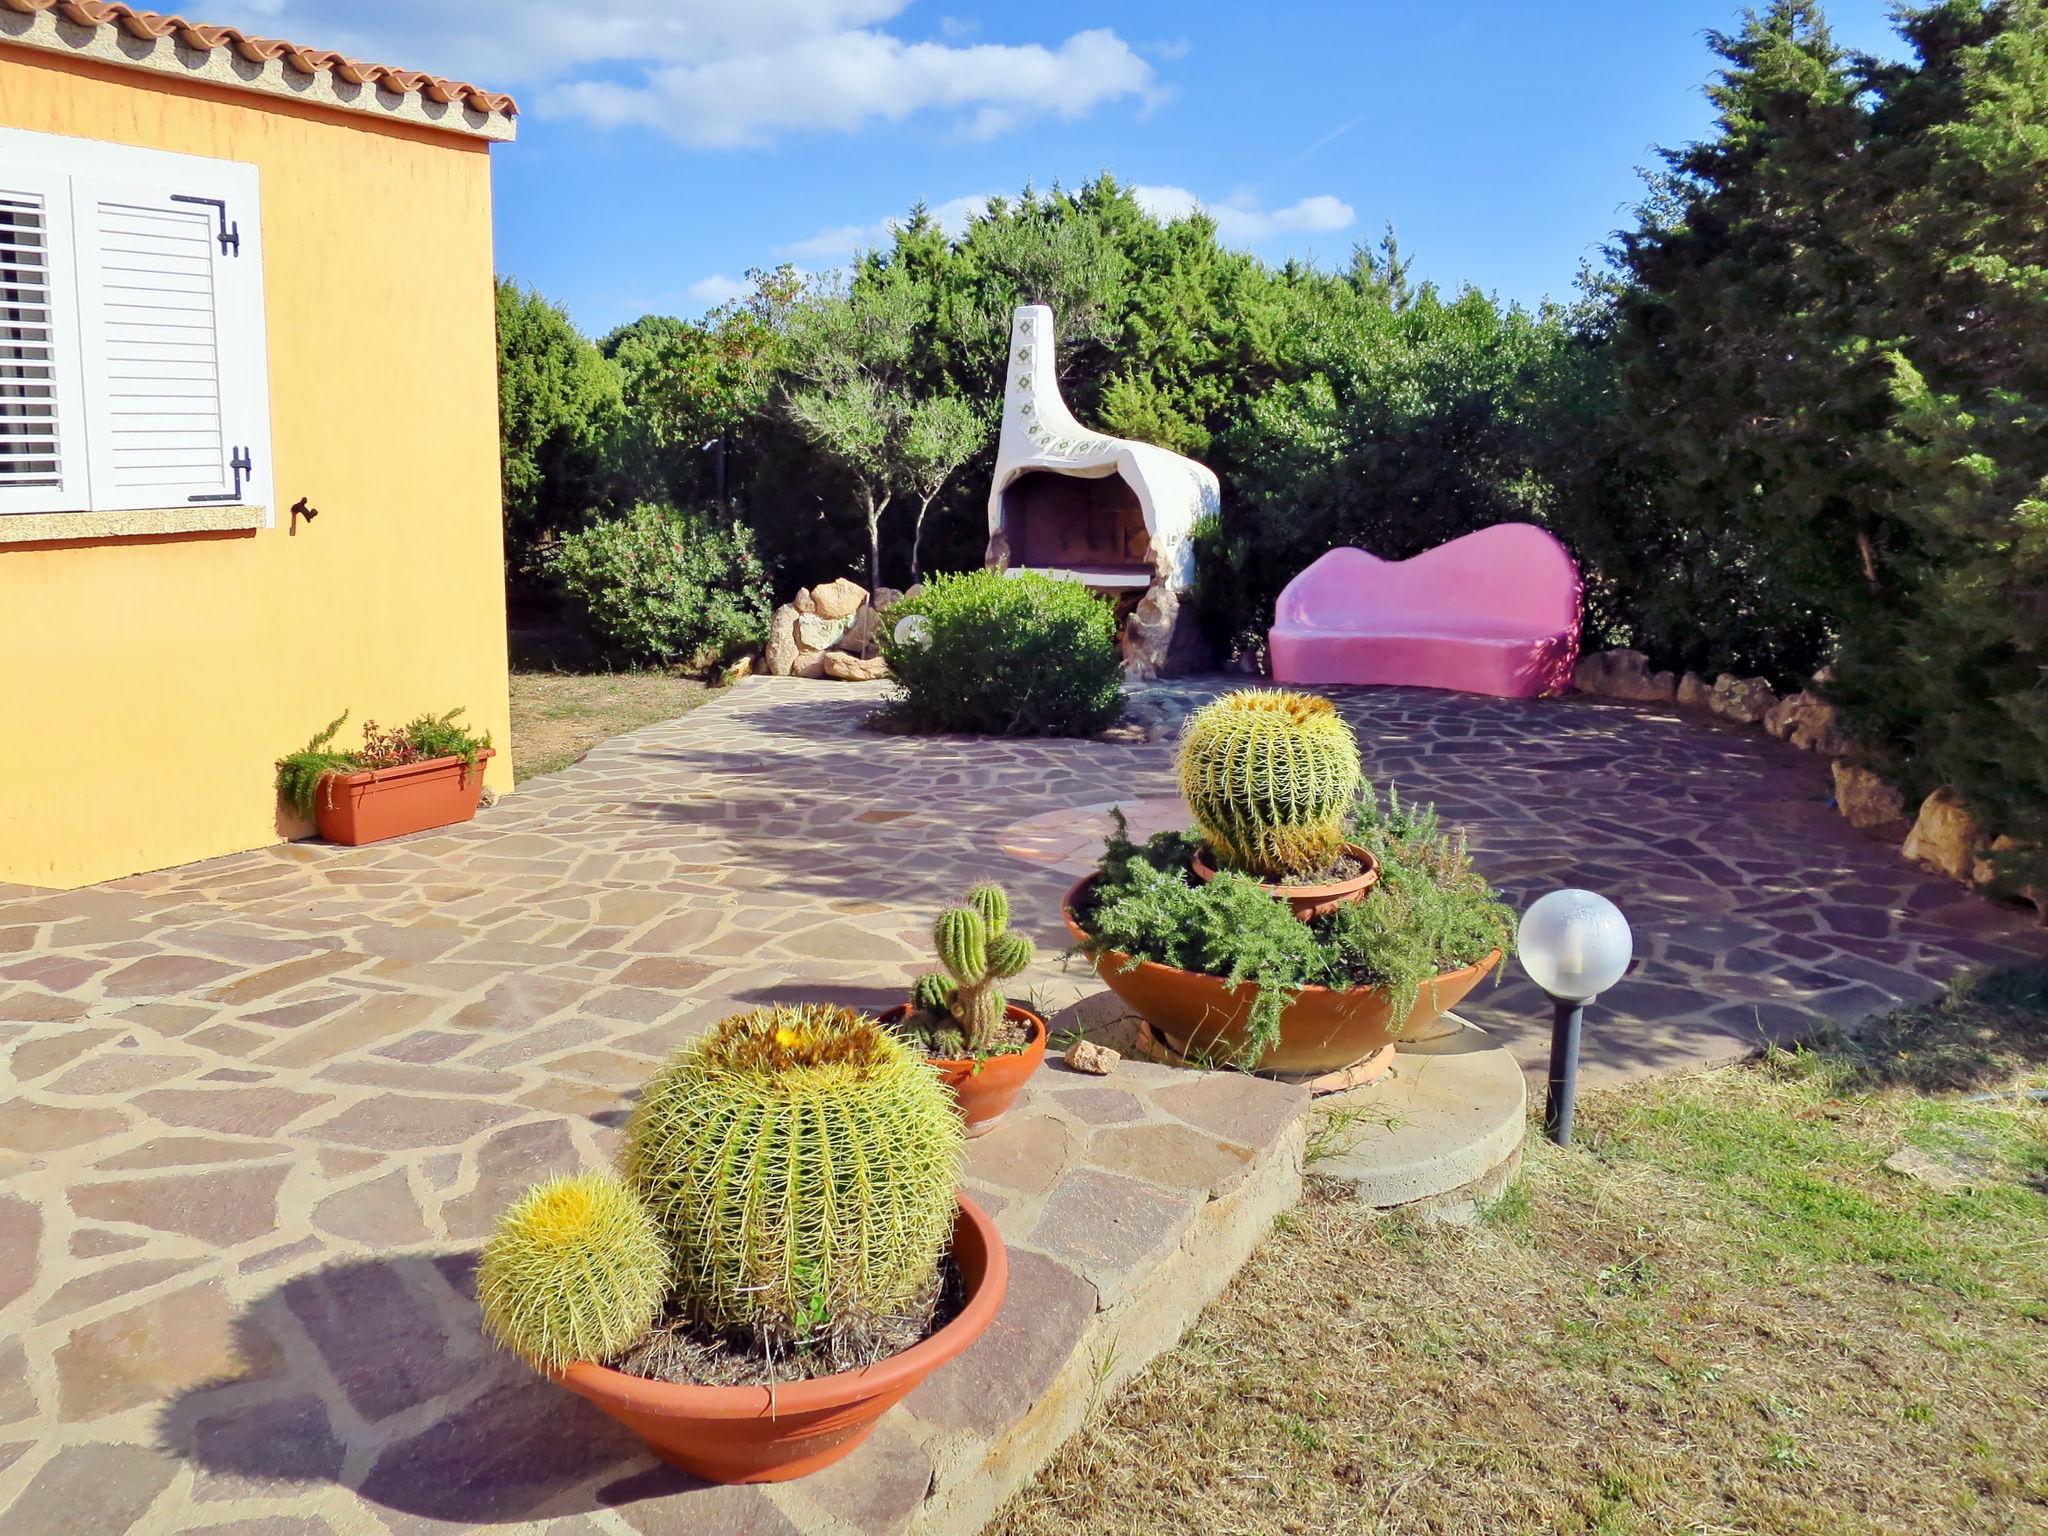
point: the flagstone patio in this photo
(261, 1110)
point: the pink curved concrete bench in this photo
(1496, 612)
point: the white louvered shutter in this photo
(168, 353)
(42, 422)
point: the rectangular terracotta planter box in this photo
(367, 807)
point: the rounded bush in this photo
(664, 586)
(576, 1270)
(802, 1162)
(1270, 776)
(1007, 655)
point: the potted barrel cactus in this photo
(790, 1199)
(1303, 925)
(1270, 777)
(983, 1045)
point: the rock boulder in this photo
(1807, 722)
(1944, 837)
(1866, 802)
(1745, 700)
(1148, 633)
(782, 648)
(1623, 675)
(838, 598)
(1095, 1060)
(1990, 873)
(815, 632)
(848, 668)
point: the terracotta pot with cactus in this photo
(784, 1257)
(1303, 925)
(984, 1046)
(1269, 776)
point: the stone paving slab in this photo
(260, 1111)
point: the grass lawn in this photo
(1719, 1312)
(559, 716)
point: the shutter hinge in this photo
(229, 235)
(242, 465)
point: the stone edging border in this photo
(1941, 835)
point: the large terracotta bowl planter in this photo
(367, 807)
(770, 1435)
(1321, 1031)
(985, 1095)
(1307, 901)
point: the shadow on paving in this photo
(458, 1434)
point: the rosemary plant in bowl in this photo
(1226, 966)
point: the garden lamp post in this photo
(1574, 945)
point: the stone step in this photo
(1443, 1129)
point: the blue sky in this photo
(666, 146)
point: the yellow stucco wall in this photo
(147, 684)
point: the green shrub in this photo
(1007, 655)
(802, 1162)
(665, 586)
(301, 773)
(576, 1270)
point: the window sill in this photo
(55, 527)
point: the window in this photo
(132, 369)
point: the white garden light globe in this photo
(914, 629)
(1574, 944)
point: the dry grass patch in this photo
(1719, 1313)
(559, 716)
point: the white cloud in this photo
(716, 73)
(1241, 221)
(840, 241)
(717, 289)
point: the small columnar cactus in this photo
(576, 1270)
(802, 1163)
(1270, 776)
(978, 950)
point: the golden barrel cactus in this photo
(576, 1270)
(802, 1162)
(1270, 776)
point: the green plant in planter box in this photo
(975, 945)
(300, 775)
(802, 1163)
(1270, 776)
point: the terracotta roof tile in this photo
(152, 25)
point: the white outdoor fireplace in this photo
(1113, 514)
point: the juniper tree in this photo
(1744, 393)
(1949, 683)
